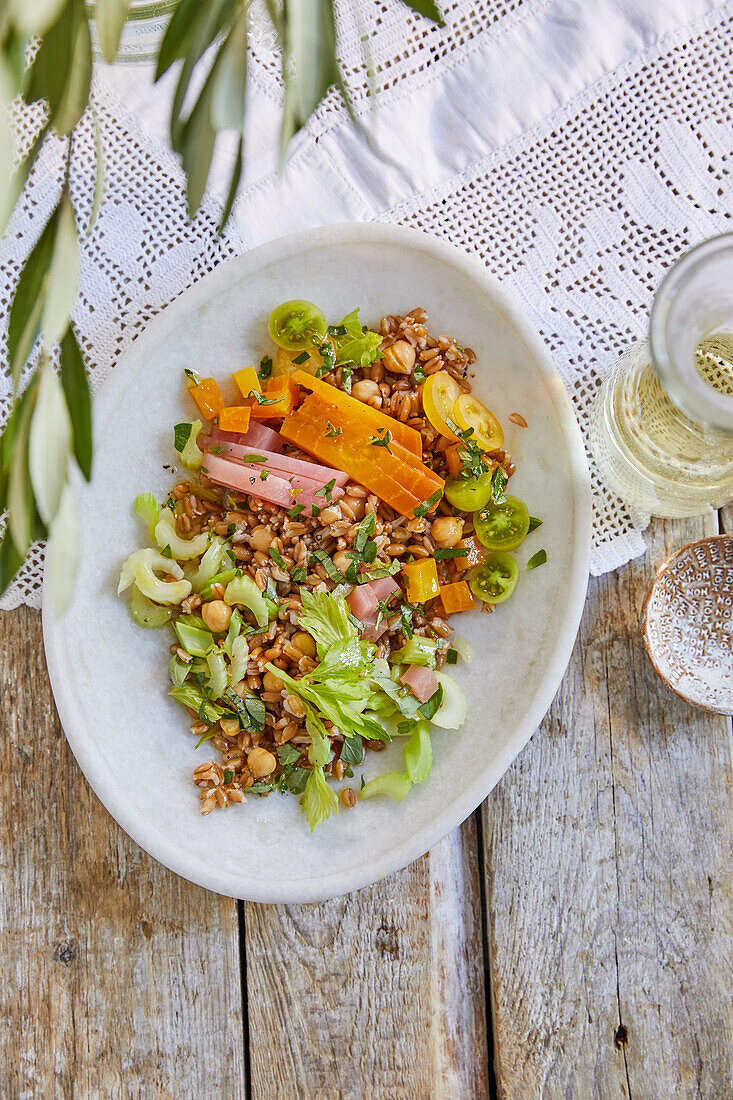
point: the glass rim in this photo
(685, 386)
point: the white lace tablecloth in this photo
(576, 148)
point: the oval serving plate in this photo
(109, 677)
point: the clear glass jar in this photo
(662, 424)
(142, 33)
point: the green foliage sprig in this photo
(50, 420)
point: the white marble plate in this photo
(110, 677)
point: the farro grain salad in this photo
(336, 514)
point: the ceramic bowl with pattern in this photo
(688, 623)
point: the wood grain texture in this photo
(379, 994)
(118, 978)
(608, 876)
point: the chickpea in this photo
(261, 762)
(365, 389)
(446, 530)
(400, 357)
(271, 682)
(341, 561)
(216, 614)
(261, 538)
(304, 643)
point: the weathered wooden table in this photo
(572, 939)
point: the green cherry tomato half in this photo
(496, 579)
(297, 325)
(469, 494)
(502, 526)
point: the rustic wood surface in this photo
(588, 905)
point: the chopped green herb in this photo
(370, 552)
(264, 475)
(299, 575)
(296, 510)
(349, 773)
(352, 750)
(326, 490)
(356, 622)
(265, 369)
(380, 571)
(346, 379)
(352, 573)
(332, 432)
(419, 373)
(228, 776)
(537, 559)
(166, 553)
(337, 330)
(404, 729)
(263, 400)
(315, 510)
(332, 572)
(217, 449)
(431, 707)
(384, 441)
(451, 657)
(287, 754)
(424, 508)
(328, 356)
(363, 783)
(302, 358)
(252, 459)
(277, 557)
(534, 523)
(271, 591)
(296, 779)
(406, 613)
(498, 485)
(260, 788)
(181, 434)
(365, 531)
(449, 552)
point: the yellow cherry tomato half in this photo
(468, 412)
(440, 393)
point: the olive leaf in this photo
(427, 8)
(63, 552)
(98, 194)
(109, 17)
(10, 561)
(49, 443)
(63, 276)
(37, 16)
(61, 71)
(230, 83)
(309, 61)
(25, 310)
(233, 186)
(78, 399)
(21, 508)
(9, 437)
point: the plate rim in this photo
(157, 843)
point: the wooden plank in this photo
(376, 994)
(608, 875)
(118, 977)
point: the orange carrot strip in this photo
(456, 597)
(207, 398)
(286, 395)
(314, 427)
(247, 380)
(407, 437)
(475, 554)
(234, 418)
(422, 580)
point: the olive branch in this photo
(46, 58)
